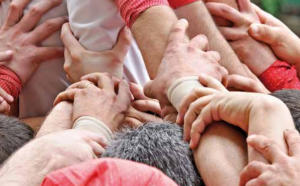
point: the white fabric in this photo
(96, 23)
(91, 124)
(181, 88)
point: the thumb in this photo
(124, 41)
(265, 33)
(7, 55)
(148, 89)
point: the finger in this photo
(225, 11)
(33, 17)
(80, 85)
(124, 42)
(192, 114)
(15, 12)
(70, 42)
(102, 80)
(142, 116)
(197, 129)
(262, 15)
(200, 42)
(254, 182)
(224, 73)
(148, 90)
(66, 96)
(46, 29)
(97, 149)
(8, 98)
(245, 6)
(252, 171)
(267, 147)
(147, 106)
(4, 107)
(266, 34)
(215, 55)
(178, 31)
(292, 138)
(124, 94)
(211, 82)
(132, 122)
(232, 33)
(192, 97)
(242, 83)
(48, 53)
(97, 138)
(137, 92)
(6, 56)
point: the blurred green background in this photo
(287, 11)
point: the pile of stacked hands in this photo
(147, 92)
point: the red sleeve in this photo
(178, 3)
(10, 82)
(280, 76)
(131, 9)
(108, 172)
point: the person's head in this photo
(13, 135)
(292, 100)
(159, 145)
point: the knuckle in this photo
(14, 6)
(177, 29)
(76, 57)
(67, 67)
(35, 11)
(191, 49)
(50, 25)
(268, 145)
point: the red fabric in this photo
(178, 3)
(10, 82)
(280, 76)
(108, 172)
(131, 9)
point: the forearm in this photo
(34, 123)
(221, 155)
(59, 119)
(151, 31)
(270, 118)
(201, 22)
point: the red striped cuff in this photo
(178, 3)
(10, 82)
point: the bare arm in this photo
(151, 31)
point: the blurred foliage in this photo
(272, 6)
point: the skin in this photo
(256, 55)
(80, 62)
(284, 43)
(284, 169)
(61, 144)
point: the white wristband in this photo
(88, 123)
(182, 87)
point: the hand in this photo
(100, 102)
(80, 62)
(142, 109)
(50, 153)
(257, 56)
(284, 43)
(214, 103)
(245, 84)
(18, 35)
(7, 55)
(183, 58)
(284, 169)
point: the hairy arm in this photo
(151, 31)
(59, 119)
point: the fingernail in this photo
(11, 99)
(250, 138)
(9, 52)
(254, 29)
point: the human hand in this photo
(183, 58)
(256, 55)
(245, 84)
(284, 43)
(214, 103)
(142, 109)
(284, 169)
(80, 62)
(102, 102)
(18, 35)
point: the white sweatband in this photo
(182, 87)
(88, 123)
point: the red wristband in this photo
(131, 9)
(178, 3)
(280, 76)
(10, 82)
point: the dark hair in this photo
(292, 100)
(13, 135)
(160, 145)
